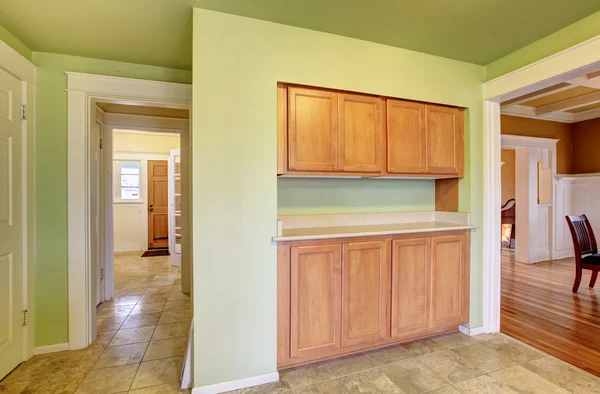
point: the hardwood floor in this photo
(539, 308)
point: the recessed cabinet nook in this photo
(355, 282)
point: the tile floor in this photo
(142, 337)
(453, 363)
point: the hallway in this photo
(539, 308)
(142, 338)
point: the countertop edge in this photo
(371, 233)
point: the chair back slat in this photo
(584, 241)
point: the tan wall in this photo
(514, 125)
(508, 175)
(586, 143)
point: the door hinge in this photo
(101, 273)
(23, 112)
(101, 143)
(25, 317)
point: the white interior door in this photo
(11, 223)
(175, 207)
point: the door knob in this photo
(150, 208)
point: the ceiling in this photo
(158, 32)
(572, 101)
(143, 110)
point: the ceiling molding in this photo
(519, 141)
(587, 115)
(537, 94)
(529, 112)
(579, 101)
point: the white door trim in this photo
(83, 91)
(17, 65)
(565, 65)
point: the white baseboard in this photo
(237, 384)
(471, 331)
(562, 254)
(59, 347)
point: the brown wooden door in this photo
(444, 139)
(449, 281)
(365, 292)
(411, 264)
(315, 291)
(313, 130)
(406, 137)
(158, 204)
(361, 133)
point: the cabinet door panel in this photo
(449, 276)
(365, 277)
(315, 300)
(411, 265)
(313, 130)
(406, 137)
(361, 133)
(444, 139)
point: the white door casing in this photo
(175, 207)
(12, 226)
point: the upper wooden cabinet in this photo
(444, 140)
(406, 137)
(326, 132)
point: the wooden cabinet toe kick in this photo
(343, 296)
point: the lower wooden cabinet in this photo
(342, 296)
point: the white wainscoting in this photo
(575, 195)
(543, 233)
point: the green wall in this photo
(51, 179)
(15, 43)
(237, 63)
(571, 35)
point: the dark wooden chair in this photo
(586, 249)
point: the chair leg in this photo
(593, 280)
(577, 280)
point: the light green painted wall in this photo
(569, 36)
(237, 62)
(51, 179)
(15, 43)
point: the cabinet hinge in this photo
(24, 112)
(25, 317)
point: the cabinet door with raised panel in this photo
(449, 281)
(411, 266)
(361, 133)
(365, 291)
(444, 140)
(406, 137)
(313, 130)
(315, 289)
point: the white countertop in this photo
(310, 227)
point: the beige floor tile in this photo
(142, 320)
(62, 381)
(330, 387)
(444, 390)
(352, 364)
(104, 338)
(127, 300)
(148, 307)
(153, 298)
(166, 348)
(178, 305)
(9, 386)
(137, 284)
(130, 292)
(420, 347)
(413, 377)
(483, 357)
(522, 380)
(175, 316)
(163, 282)
(159, 290)
(173, 296)
(371, 381)
(483, 385)
(109, 380)
(450, 366)
(154, 373)
(128, 336)
(565, 375)
(121, 310)
(171, 330)
(109, 323)
(269, 388)
(450, 341)
(171, 388)
(511, 349)
(176, 289)
(306, 376)
(121, 355)
(388, 355)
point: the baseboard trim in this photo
(236, 384)
(471, 331)
(59, 347)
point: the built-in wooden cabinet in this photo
(326, 132)
(342, 296)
